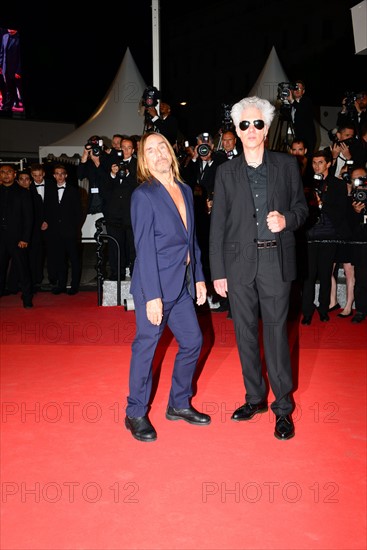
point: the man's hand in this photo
(275, 221)
(221, 288)
(22, 244)
(200, 293)
(155, 311)
(358, 206)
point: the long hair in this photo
(266, 108)
(143, 173)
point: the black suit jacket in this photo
(194, 175)
(168, 127)
(233, 227)
(304, 126)
(17, 210)
(39, 204)
(64, 218)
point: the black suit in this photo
(16, 221)
(304, 126)
(63, 234)
(37, 250)
(116, 194)
(327, 225)
(168, 127)
(258, 278)
(201, 180)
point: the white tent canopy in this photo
(266, 87)
(117, 113)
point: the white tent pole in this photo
(156, 44)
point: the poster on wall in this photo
(11, 88)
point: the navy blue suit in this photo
(163, 245)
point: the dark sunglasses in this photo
(245, 124)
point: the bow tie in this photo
(62, 187)
(39, 184)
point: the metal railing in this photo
(101, 236)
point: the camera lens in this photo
(203, 150)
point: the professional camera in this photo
(346, 176)
(204, 148)
(360, 193)
(227, 122)
(284, 89)
(123, 170)
(350, 98)
(334, 139)
(318, 188)
(94, 144)
(150, 97)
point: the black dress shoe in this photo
(57, 290)
(27, 304)
(358, 317)
(248, 411)
(284, 427)
(141, 428)
(334, 308)
(190, 415)
(306, 320)
(72, 291)
(345, 314)
(324, 317)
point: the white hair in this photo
(266, 108)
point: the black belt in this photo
(266, 244)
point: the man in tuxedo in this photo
(39, 188)
(16, 221)
(258, 204)
(63, 215)
(116, 194)
(165, 123)
(303, 117)
(229, 144)
(167, 277)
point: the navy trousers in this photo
(181, 318)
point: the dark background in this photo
(71, 54)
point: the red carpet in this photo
(72, 477)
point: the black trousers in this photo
(269, 293)
(320, 260)
(19, 257)
(61, 250)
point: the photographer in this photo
(116, 194)
(359, 249)
(166, 123)
(327, 223)
(92, 169)
(302, 115)
(200, 175)
(354, 111)
(346, 147)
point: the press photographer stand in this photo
(284, 131)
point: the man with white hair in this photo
(258, 204)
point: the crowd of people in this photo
(111, 175)
(226, 221)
